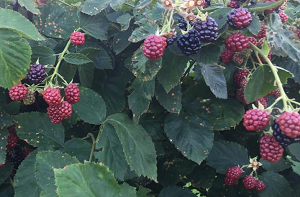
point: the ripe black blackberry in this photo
(15, 156)
(208, 29)
(36, 73)
(182, 24)
(170, 41)
(281, 138)
(189, 43)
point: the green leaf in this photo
(3, 143)
(56, 21)
(259, 7)
(30, 5)
(190, 134)
(77, 58)
(68, 71)
(296, 167)
(208, 54)
(279, 166)
(124, 21)
(120, 40)
(214, 78)
(143, 32)
(95, 26)
(227, 154)
(254, 25)
(170, 101)
(93, 7)
(5, 120)
(85, 179)
(262, 82)
(86, 74)
(175, 191)
(112, 154)
(46, 161)
(143, 192)
(44, 54)
(103, 60)
(173, 67)
(139, 100)
(276, 185)
(10, 19)
(220, 16)
(294, 150)
(13, 45)
(5, 171)
(137, 146)
(91, 107)
(36, 129)
(25, 183)
(79, 148)
(142, 67)
(127, 190)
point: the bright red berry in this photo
(230, 181)
(270, 149)
(65, 110)
(275, 93)
(12, 140)
(54, 114)
(234, 172)
(284, 18)
(52, 96)
(249, 182)
(236, 42)
(226, 56)
(260, 186)
(256, 119)
(2, 165)
(289, 123)
(18, 92)
(263, 101)
(252, 40)
(72, 93)
(239, 18)
(154, 47)
(77, 38)
(233, 4)
(240, 75)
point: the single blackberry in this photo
(189, 43)
(36, 74)
(239, 18)
(154, 47)
(15, 156)
(281, 137)
(170, 41)
(208, 29)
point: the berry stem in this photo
(275, 102)
(93, 146)
(275, 73)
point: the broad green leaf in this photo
(142, 67)
(120, 40)
(153, 125)
(293, 67)
(68, 71)
(262, 82)
(57, 21)
(296, 167)
(6, 170)
(276, 185)
(227, 154)
(3, 143)
(254, 26)
(139, 100)
(86, 74)
(171, 101)
(79, 148)
(175, 191)
(44, 54)
(293, 149)
(13, 70)
(46, 161)
(124, 21)
(265, 6)
(214, 78)
(93, 7)
(36, 129)
(25, 183)
(95, 26)
(116, 4)
(190, 134)
(112, 154)
(173, 67)
(137, 145)
(91, 107)
(279, 166)
(10, 19)
(220, 16)
(30, 5)
(77, 58)
(208, 54)
(143, 192)
(142, 32)
(127, 190)
(5, 120)
(86, 180)
(103, 60)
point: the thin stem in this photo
(100, 131)
(275, 102)
(187, 70)
(93, 146)
(295, 102)
(257, 57)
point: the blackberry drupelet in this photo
(189, 43)
(171, 40)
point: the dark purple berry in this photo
(189, 43)
(36, 73)
(208, 29)
(281, 137)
